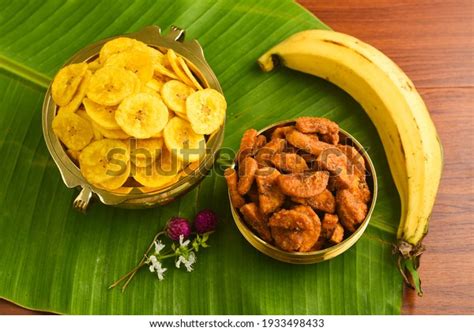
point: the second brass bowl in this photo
(324, 254)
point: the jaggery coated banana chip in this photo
(134, 60)
(142, 115)
(175, 94)
(206, 110)
(164, 171)
(182, 141)
(106, 162)
(100, 114)
(72, 130)
(110, 85)
(66, 82)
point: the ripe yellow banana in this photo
(388, 96)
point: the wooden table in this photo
(432, 40)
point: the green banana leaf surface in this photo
(56, 259)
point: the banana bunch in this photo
(388, 96)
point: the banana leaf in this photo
(55, 259)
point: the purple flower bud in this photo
(178, 226)
(205, 221)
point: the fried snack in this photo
(337, 235)
(206, 110)
(102, 115)
(312, 215)
(155, 84)
(160, 70)
(356, 160)
(189, 73)
(247, 170)
(105, 162)
(323, 201)
(293, 231)
(72, 130)
(361, 191)
(173, 61)
(256, 220)
(351, 211)
(142, 115)
(265, 154)
(119, 45)
(260, 141)
(280, 132)
(76, 101)
(162, 172)
(66, 83)
(306, 142)
(94, 65)
(303, 185)
(328, 130)
(97, 134)
(333, 160)
(134, 60)
(182, 141)
(289, 162)
(247, 144)
(111, 134)
(270, 196)
(73, 154)
(252, 194)
(328, 225)
(116, 183)
(143, 152)
(175, 94)
(231, 177)
(110, 85)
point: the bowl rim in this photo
(319, 255)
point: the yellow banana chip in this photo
(206, 110)
(111, 134)
(73, 131)
(173, 60)
(145, 151)
(182, 141)
(134, 60)
(97, 134)
(115, 184)
(162, 172)
(73, 154)
(142, 115)
(119, 45)
(174, 94)
(160, 69)
(155, 84)
(189, 73)
(94, 65)
(106, 162)
(102, 115)
(156, 56)
(110, 85)
(66, 83)
(76, 101)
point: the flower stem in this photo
(132, 272)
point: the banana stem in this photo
(408, 263)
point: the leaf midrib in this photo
(18, 69)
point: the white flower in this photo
(188, 263)
(181, 243)
(158, 246)
(156, 266)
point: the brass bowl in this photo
(71, 174)
(324, 254)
